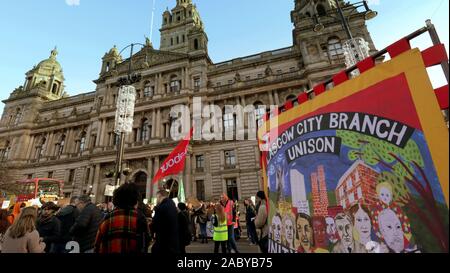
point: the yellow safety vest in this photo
(221, 231)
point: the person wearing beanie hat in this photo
(49, 226)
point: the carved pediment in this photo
(148, 57)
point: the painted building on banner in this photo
(357, 185)
(45, 132)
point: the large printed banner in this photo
(361, 168)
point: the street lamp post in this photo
(125, 111)
(355, 49)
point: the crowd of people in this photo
(127, 225)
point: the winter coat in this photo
(67, 216)
(184, 232)
(86, 226)
(165, 226)
(29, 243)
(50, 230)
(261, 219)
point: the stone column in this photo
(101, 136)
(187, 176)
(96, 182)
(51, 146)
(158, 123)
(271, 101)
(148, 188)
(153, 132)
(68, 141)
(155, 170)
(30, 147)
(277, 99)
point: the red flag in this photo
(174, 163)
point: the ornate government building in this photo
(44, 132)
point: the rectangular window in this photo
(279, 71)
(197, 83)
(50, 175)
(232, 189)
(351, 198)
(248, 78)
(199, 162)
(349, 183)
(359, 192)
(200, 187)
(292, 69)
(29, 176)
(260, 75)
(341, 192)
(228, 122)
(174, 86)
(149, 91)
(230, 81)
(230, 158)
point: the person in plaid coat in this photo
(125, 229)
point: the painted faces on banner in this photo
(320, 234)
(347, 243)
(385, 193)
(362, 223)
(332, 234)
(345, 230)
(276, 228)
(304, 233)
(391, 230)
(288, 231)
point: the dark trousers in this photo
(251, 229)
(231, 241)
(223, 244)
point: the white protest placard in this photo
(109, 190)
(5, 204)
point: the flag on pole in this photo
(181, 195)
(174, 163)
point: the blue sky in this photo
(29, 29)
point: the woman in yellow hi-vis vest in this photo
(220, 235)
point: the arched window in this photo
(40, 148)
(195, 44)
(335, 48)
(55, 88)
(321, 10)
(60, 145)
(82, 142)
(144, 130)
(4, 154)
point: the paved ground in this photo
(243, 246)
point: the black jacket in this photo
(67, 216)
(143, 232)
(184, 232)
(86, 226)
(165, 226)
(50, 230)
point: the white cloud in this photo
(73, 2)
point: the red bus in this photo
(46, 189)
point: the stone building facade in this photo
(46, 133)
